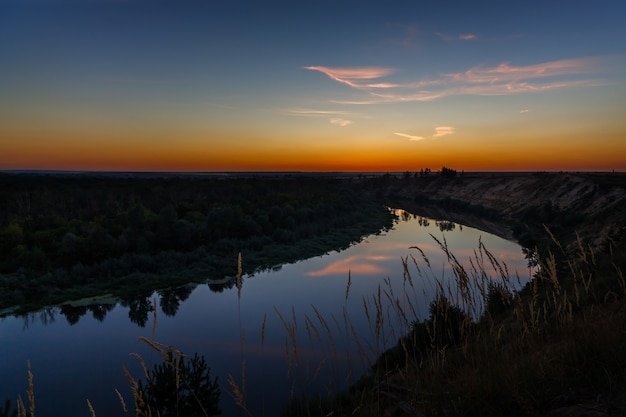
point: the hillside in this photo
(588, 204)
(556, 348)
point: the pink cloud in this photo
(349, 75)
(506, 72)
(502, 79)
(340, 122)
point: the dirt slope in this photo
(592, 205)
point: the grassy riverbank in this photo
(557, 347)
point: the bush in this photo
(179, 387)
(448, 324)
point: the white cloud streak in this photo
(443, 131)
(463, 37)
(313, 112)
(337, 117)
(439, 132)
(410, 137)
(340, 122)
(503, 79)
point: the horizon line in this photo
(283, 172)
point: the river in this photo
(298, 328)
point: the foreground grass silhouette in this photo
(555, 347)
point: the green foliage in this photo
(180, 386)
(105, 232)
(11, 235)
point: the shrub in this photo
(179, 387)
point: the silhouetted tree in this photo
(498, 299)
(180, 386)
(448, 172)
(73, 314)
(99, 311)
(139, 308)
(171, 298)
(448, 323)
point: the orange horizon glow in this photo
(67, 155)
(193, 163)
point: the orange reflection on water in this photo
(357, 264)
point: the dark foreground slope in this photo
(555, 348)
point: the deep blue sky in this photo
(312, 85)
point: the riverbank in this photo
(556, 348)
(590, 205)
(70, 237)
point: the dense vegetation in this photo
(69, 236)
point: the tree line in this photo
(59, 232)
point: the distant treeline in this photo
(59, 233)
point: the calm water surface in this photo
(79, 353)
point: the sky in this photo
(303, 85)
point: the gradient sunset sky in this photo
(151, 85)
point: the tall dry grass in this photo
(491, 345)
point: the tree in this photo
(180, 387)
(11, 236)
(448, 172)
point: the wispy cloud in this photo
(502, 79)
(410, 137)
(439, 132)
(524, 111)
(505, 72)
(337, 117)
(463, 37)
(443, 131)
(340, 122)
(350, 76)
(313, 112)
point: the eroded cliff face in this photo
(590, 205)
